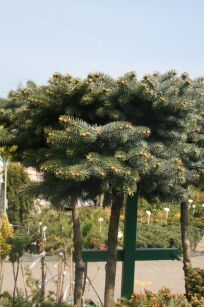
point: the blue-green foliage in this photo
(100, 134)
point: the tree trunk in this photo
(1, 273)
(43, 277)
(101, 200)
(112, 251)
(185, 243)
(79, 265)
(15, 275)
(60, 280)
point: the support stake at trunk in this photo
(128, 272)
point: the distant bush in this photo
(155, 235)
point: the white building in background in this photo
(34, 176)
(40, 203)
(3, 186)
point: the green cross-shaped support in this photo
(129, 254)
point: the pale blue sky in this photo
(40, 37)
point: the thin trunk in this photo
(62, 283)
(14, 277)
(101, 200)
(43, 277)
(112, 251)
(71, 274)
(185, 243)
(1, 273)
(85, 277)
(59, 276)
(24, 284)
(60, 280)
(15, 274)
(79, 265)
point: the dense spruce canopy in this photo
(96, 159)
(167, 106)
(115, 136)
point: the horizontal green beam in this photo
(141, 254)
(95, 255)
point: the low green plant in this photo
(196, 282)
(163, 298)
(6, 300)
(197, 302)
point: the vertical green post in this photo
(128, 270)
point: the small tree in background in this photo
(19, 201)
(6, 232)
(16, 251)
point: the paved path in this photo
(151, 275)
(200, 246)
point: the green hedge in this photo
(155, 235)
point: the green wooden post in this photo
(128, 270)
